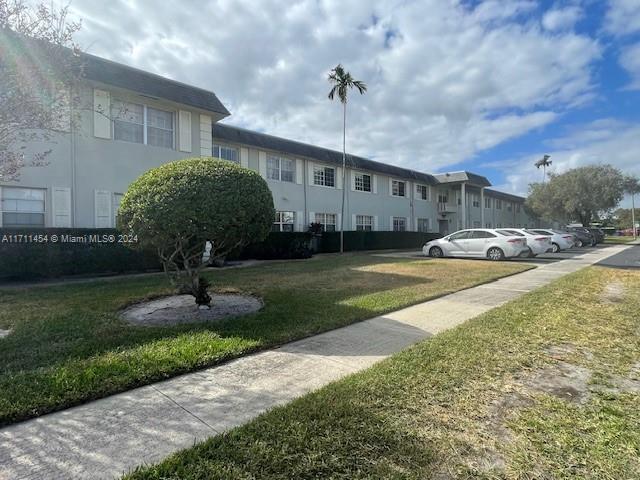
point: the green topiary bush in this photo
(178, 207)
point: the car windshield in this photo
(535, 232)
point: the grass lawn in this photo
(68, 344)
(547, 386)
(618, 240)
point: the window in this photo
(398, 188)
(475, 200)
(324, 176)
(443, 198)
(137, 123)
(22, 207)
(159, 128)
(509, 206)
(499, 225)
(487, 225)
(128, 123)
(226, 153)
(510, 233)
(477, 224)
(327, 220)
(284, 222)
(422, 191)
(280, 168)
(423, 224)
(487, 202)
(481, 234)
(362, 182)
(117, 199)
(399, 224)
(364, 223)
(498, 204)
(517, 208)
(465, 234)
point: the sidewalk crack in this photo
(185, 409)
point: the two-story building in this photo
(129, 121)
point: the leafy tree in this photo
(40, 66)
(177, 207)
(342, 82)
(579, 194)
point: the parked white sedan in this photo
(477, 243)
(536, 244)
(559, 240)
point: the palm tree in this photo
(544, 162)
(632, 186)
(342, 82)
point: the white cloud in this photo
(622, 17)
(603, 141)
(561, 18)
(445, 81)
(630, 61)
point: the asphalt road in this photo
(628, 259)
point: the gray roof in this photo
(504, 196)
(464, 176)
(269, 142)
(123, 76)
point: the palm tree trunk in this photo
(344, 171)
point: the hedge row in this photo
(354, 241)
(35, 253)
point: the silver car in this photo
(559, 240)
(477, 243)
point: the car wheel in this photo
(579, 243)
(436, 252)
(495, 254)
(555, 248)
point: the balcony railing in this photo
(447, 207)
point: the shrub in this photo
(279, 245)
(177, 207)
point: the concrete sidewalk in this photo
(105, 438)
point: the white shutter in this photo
(416, 224)
(184, 129)
(310, 167)
(244, 157)
(339, 179)
(352, 176)
(262, 164)
(375, 223)
(102, 208)
(391, 186)
(300, 221)
(339, 222)
(206, 136)
(61, 207)
(101, 113)
(353, 222)
(416, 195)
(391, 223)
(375, 184)
(312, 217)
(299, 171)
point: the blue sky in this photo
(487, 86)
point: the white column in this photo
(482, 224)
(463, 205)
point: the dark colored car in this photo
(597, 233)
(583, 236)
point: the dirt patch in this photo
(563, 380)
(181, 309)
(625, 384)
(613, 293)
(4, 333)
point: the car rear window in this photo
(535, 232)
(482, 234)
(542, 232)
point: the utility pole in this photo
(633, 216)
